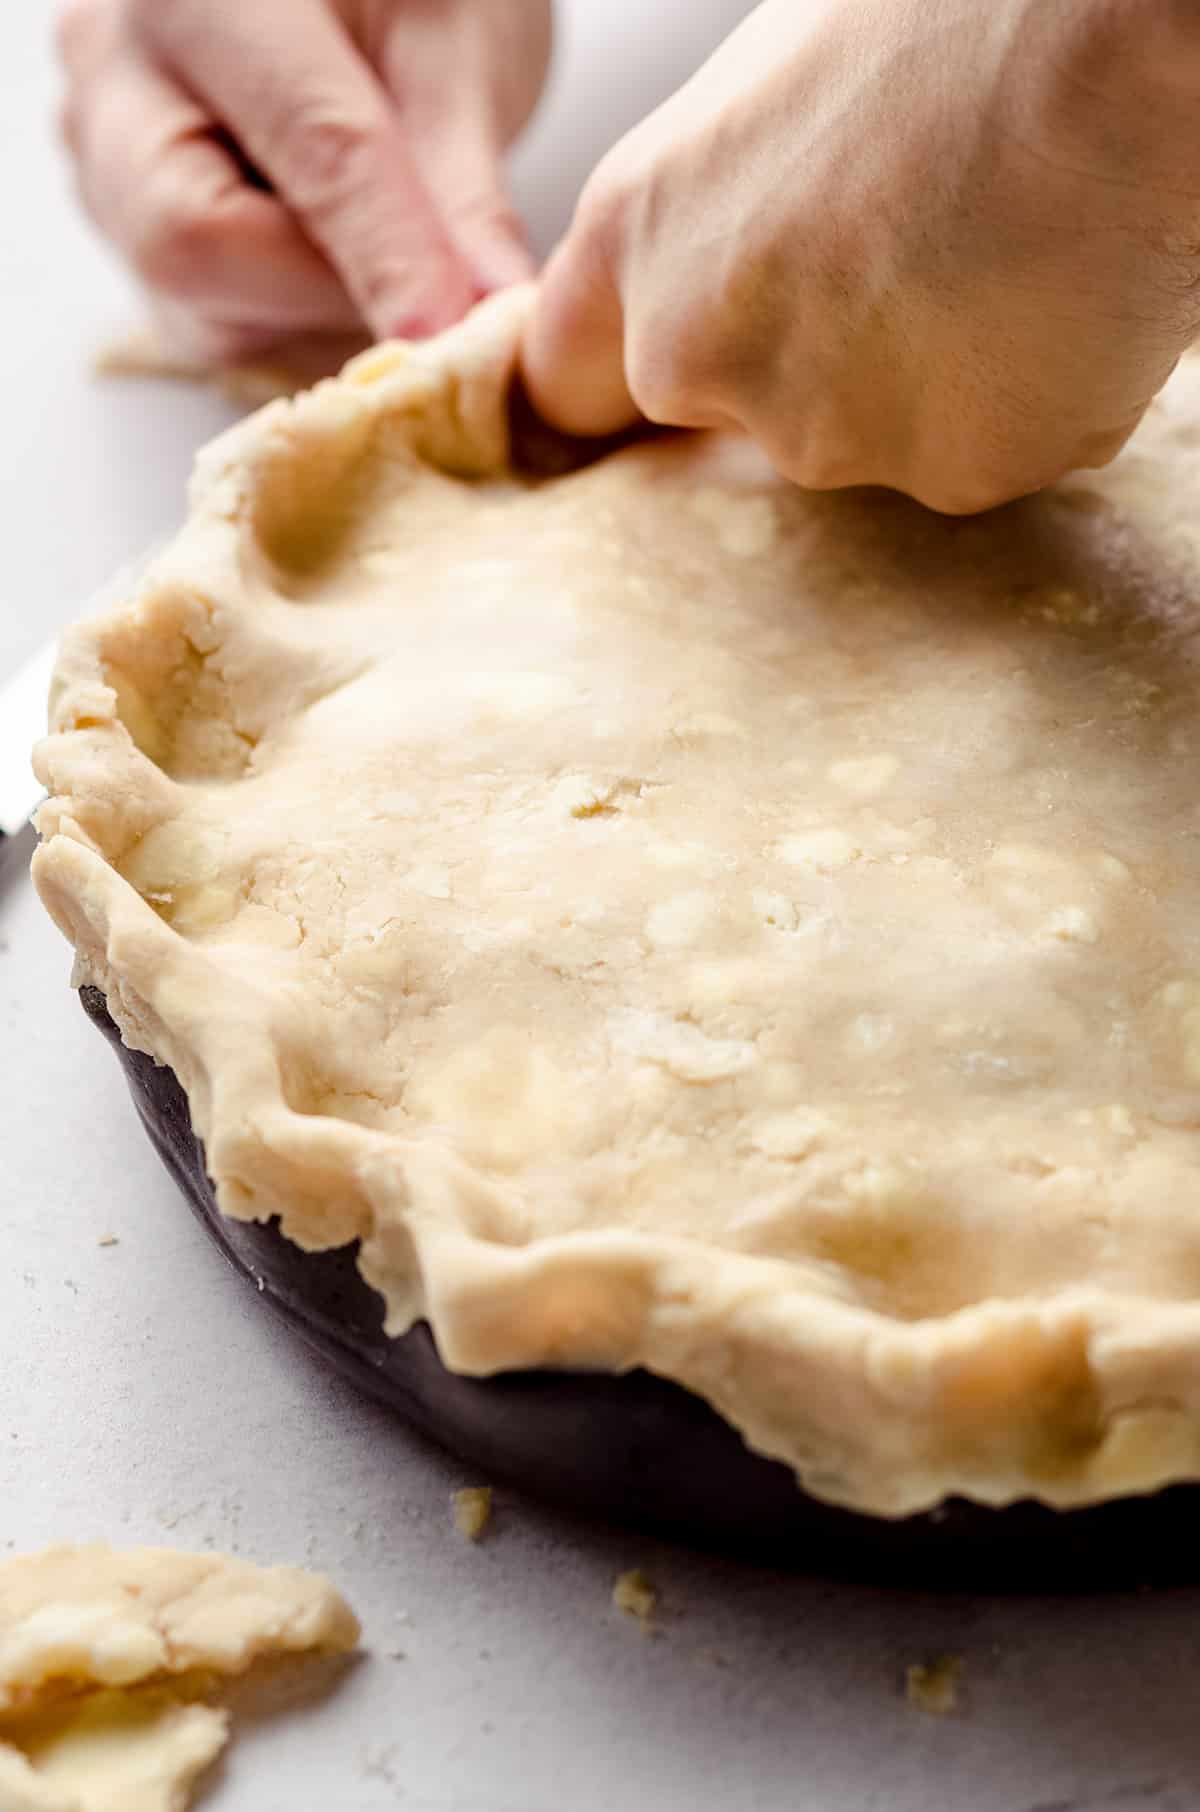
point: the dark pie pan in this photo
(637, 1450)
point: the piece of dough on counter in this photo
(144, 352)
(105, 1658)
(137, 1751)
(673, 920)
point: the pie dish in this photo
(677, 924)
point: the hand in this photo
(942, 246)
(283, 167)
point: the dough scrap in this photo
(473, 1511)
(144, 353)
(139, 1751)
(634, 1594)
(89, 1635)
(98, 1616)
(671, 920)
(933, 1686)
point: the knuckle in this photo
(809, 466)
(681, 364)
(988, 462)
(822, 442)
(1102, 446)
(969, 493)
(816, 449)
(326, 151)
(976, 453)
(655, 377)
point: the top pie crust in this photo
(673, 920)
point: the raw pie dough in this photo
(88, 1636)
(673, 920)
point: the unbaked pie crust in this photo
(675, 921)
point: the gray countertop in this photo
(145, 1395)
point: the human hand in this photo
(945, 247)
(283, 167)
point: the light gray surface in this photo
(144, 1395)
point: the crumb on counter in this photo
(932, 1686)
(473, 1511)
(634, 1594)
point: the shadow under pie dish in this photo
(671, 924)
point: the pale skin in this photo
(930, 244)
(281, 167)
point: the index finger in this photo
(305, 107)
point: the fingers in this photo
(174, 201)
(443, 76)
(286, 79)
(387, 195)
(464, 171)
(573, 356)
(78, 29)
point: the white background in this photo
(145, 1394)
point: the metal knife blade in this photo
(22, 722)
